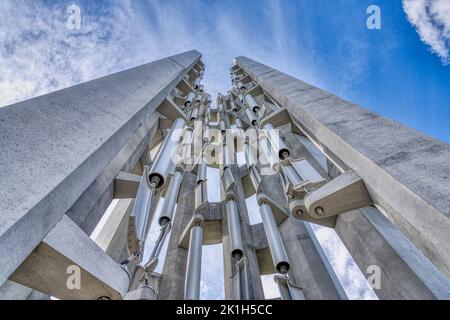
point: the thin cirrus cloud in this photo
(39, 54)
(431, 18)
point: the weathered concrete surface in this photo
(405, 272)
(407, 173)
(46, 269)
(54, 146)
(11, 290)
(90, 206)
(113, 236)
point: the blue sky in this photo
(400, 71)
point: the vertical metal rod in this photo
(188, 100)
(163, 162)
(194, 265)
(202, 170)
(279, 256)
(170, 201)
(252, 103)
(234, 228)
(276, 142)
(143, 206)
(250, 116)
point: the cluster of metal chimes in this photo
(250, 109)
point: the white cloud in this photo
(431, 18)
(348, 273)
(40, 54)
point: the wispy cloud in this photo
(348, 273)
(40, 54)
(431, 18)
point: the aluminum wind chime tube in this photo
(164, 160)
(279, 256)
(252, 103)
(194, 264)
(154, 179)
(170, 201)
(276, 142)
(234, 229)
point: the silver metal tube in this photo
(170, 201)
(291, 174)
(251, 116)
(241, 98)
(198, 99)
(202, 169)
(279, 256)
(163, 161)
(233, 106)
(189, 98)
(194, 265)
(222, 126)
(143, 207)
(201, 194)
(227, 156)
(194, 114)
(252, 103)
(238, 123)
(278, 145)
(234, 228)
(227, 178)
(197, 83)
(241, 86)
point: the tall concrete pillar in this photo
(405, 172)
(174, 270)
(374, 241)
(75, 143)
